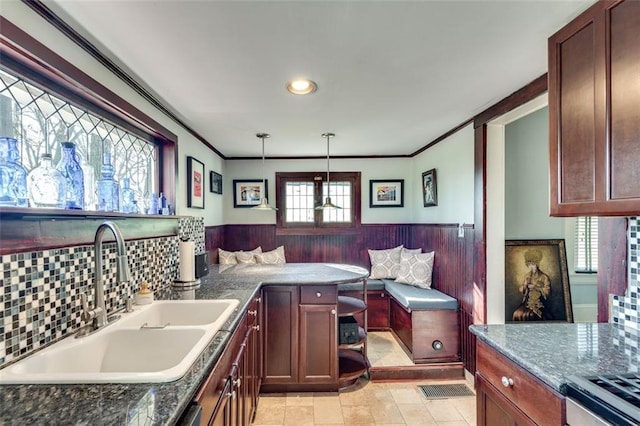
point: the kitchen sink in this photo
(184, 313)
(155, 343)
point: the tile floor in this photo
(369, 403)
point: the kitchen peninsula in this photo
(165, 403)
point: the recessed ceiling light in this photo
(301, 86)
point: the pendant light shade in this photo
(327, 202)
(264, 203)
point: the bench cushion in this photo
(419, 298)
(371, 285)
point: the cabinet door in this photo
(318, 344)
(240, 388)
(594, 112)
(253, 377)
(624, 100)
(280, 334)
(222, 414)
(493, 409)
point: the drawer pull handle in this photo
(256, 327)
(333, 312)
(318, 294)
(258, 299)
(507, 381)
(254, 313)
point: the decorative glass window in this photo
(298, 195)
(41, 121)
(586, 245)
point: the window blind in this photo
(586, 244)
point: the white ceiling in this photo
(392, 75)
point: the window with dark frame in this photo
(299, 193)
(40, 121)
(586, 245)
(71, 98)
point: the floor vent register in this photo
(446, 391)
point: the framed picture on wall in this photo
(195, 183)
(248, 192)
(386, 193)
(537, 281)
(429, 188)
(215, 182)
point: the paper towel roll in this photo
(186, 251)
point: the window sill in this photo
(61, 214)
(318, 231)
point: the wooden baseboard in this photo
(439, 371)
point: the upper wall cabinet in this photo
(594, 112)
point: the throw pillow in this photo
(248, 256)
(230, 258)
(245, 257)
(385, 263)
(416, 269)
(273, 257)
(226, 257)
(414, 251)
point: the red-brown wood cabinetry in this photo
(300, 346)
(229, 395)
(506, 394)
(594, 112)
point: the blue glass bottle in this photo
(108, 187)
(128, 197)
(13, 177)
(153, 204)
(46, 186)
(71, 170)
(162, 205)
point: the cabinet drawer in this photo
(318, 294)
(541, 403)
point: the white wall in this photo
(30, 22)
(391, 168)
(453, 159)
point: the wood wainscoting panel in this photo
(453, 269)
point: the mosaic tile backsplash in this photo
(624, 309)
(40, 290)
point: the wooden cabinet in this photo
(318, 354)
(280, 335)
(494, 409)
(254, 348)
(300, 333)
(508, 395)
(594, 112)
(229, 395)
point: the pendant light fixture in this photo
(327, 202)
(264, 203)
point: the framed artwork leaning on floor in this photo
(537, 281)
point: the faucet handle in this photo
(128, 304)
(84, 302)
(87, 314)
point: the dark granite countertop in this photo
(161, 403)
(552, 351)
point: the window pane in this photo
(586, 244)
(340, 193)
(299, 202)
(40, 121)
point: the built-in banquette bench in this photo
(424, 320)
